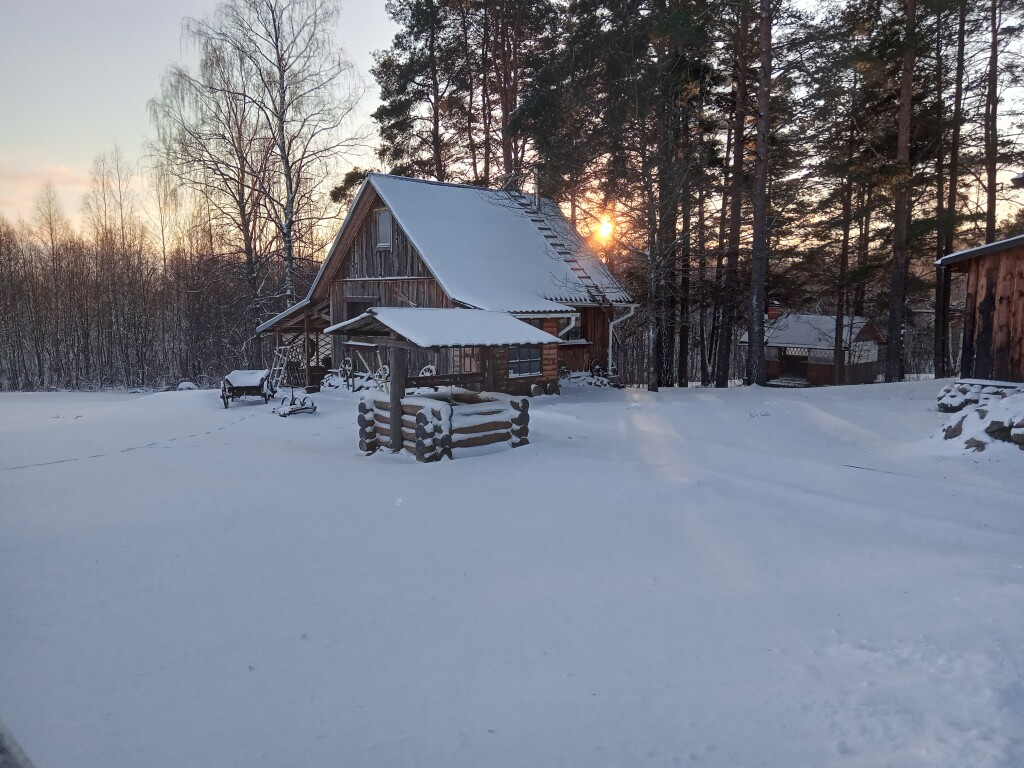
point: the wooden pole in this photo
(305, 344)
(397, 363)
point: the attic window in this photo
(383, 229)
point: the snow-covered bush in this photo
(186, 385)
(584, 379)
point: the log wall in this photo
(433, 429)
(994, 323)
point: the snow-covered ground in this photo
(779, 578)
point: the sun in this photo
(604, 230)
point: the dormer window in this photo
(383, 229)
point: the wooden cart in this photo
(246, 384)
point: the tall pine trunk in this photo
(901, 202)
(759, 253)
(732, 256)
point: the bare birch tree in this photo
(302, 90)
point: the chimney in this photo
(774, 310)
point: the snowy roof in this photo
(293, 309)
(981, 250)
(243, 378)
(810, 331)
(491, 249)
(446, 327)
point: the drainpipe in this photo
(611, 333)
(573, 319)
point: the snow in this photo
(743, 577)
(447, 327)
(486, 252)
(810, 331)
(247, 378)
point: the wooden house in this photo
(800, 348)
(993, 346)
(423, 244)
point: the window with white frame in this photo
(524, 360)
(383, 229)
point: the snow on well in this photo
(749, 577)
(429, 327)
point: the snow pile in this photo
(999, 418)
(584, 379)
(959, 394)
(186, 386)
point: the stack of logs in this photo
(432, 429)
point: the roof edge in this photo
(980, 250)
(267, 325)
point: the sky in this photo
(77, 75)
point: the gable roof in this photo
(446, 327)
(487, 248)
(981, 250)
(491, 249)
(810, 331)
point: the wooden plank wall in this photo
(994, 325)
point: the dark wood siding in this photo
(579, 356)
(994, 322)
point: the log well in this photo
(433, 428)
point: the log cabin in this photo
(425, 244)
(993, 343)
(799, 349)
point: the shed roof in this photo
(810, 331)
(445, 327)
(980, 250)
(278, 318)
(492, 249)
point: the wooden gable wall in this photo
(394, 277)
(994, 317)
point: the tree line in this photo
(748, 152)
(183, 253)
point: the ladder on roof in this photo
(594, 291)
(281, 355)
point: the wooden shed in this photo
(993, 346)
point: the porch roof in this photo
(292, 319)
(445, 327)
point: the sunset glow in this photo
(604, 230)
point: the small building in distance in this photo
(993, 346)
(799, 349)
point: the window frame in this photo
(517, 362)
(382, 214)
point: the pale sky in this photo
(75, 76)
